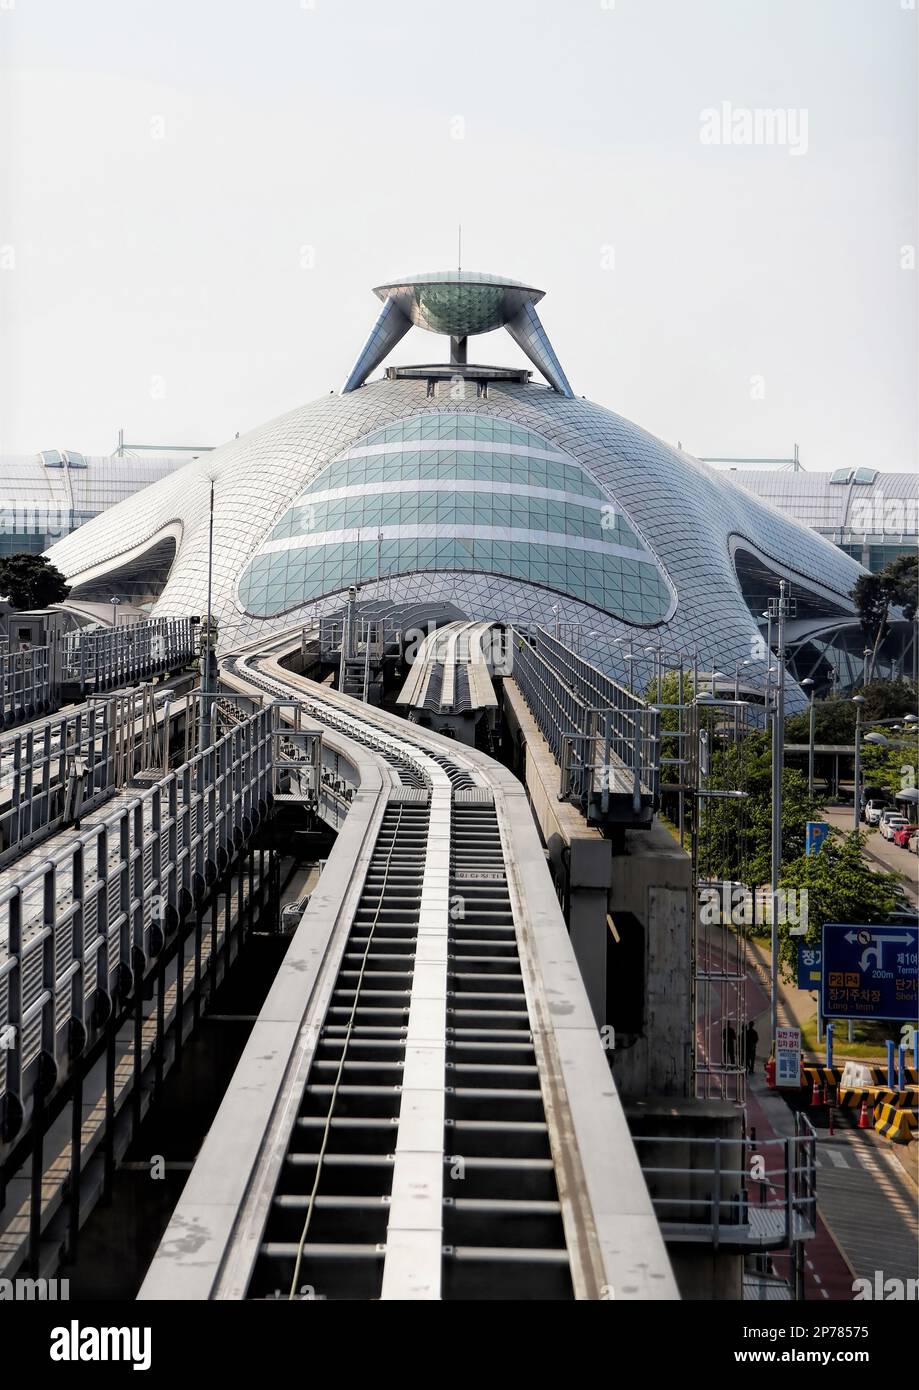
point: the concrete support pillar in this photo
(646, 877)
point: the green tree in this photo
(31, 581)
(896, 586)
(834, 719)
(735, 838)
(840, 888)
(889, 699)
(893, 767)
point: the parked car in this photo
(903, 917)
(901, 836)
(913, 845)
(873, 811)
(890, 824)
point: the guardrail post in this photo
(716, 1215)
(607, 770)
(14, 995)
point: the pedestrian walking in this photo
(750, 1042)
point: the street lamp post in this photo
(858, 701)
(115, 602)
(654, 654)
(780, 608)
(767, 690)
(738, 666)
(208, 682)
(810, 686)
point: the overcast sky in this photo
(196, 197)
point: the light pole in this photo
(208, 684)
(810, 686)
(627, 655)
(767, 616)
(865, 655)
(879, 740)
(739, 664)
(780, 609)
(114, 602)
(654, 661)
(858, 701)
(347, 635)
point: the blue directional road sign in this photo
(809, 957)
(869, 972)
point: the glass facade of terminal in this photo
(44, 497)
(456, 492)
(872, 516)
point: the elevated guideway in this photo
(449, 686)
(424, 1109)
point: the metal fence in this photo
(605, 739)
(745, 1193)
(67, 765)
(124, 655)
(88, 921)
(26, 685)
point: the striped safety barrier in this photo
(820, 1075)
(851, 1097)
(895, 1123)
(879, 1075)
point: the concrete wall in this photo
(652, 879)
(644, 873)
(683, 1200)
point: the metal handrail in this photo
(25, 684)
(593, 725)
(92, 916)
(132, 652)
(66, 765)
(736, 1192)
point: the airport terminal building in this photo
(496, 490)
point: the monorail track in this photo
(436, 1117)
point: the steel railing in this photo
(604, 738)
(124, 655)
(26, 684)
(745, 1192)
(63, 767)
(90, 919)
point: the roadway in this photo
(866, 1198)
(880, 853)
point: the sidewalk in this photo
(795, 1006)
(827, 1272)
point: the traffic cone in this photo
(815, 1094)
(863, 1121)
